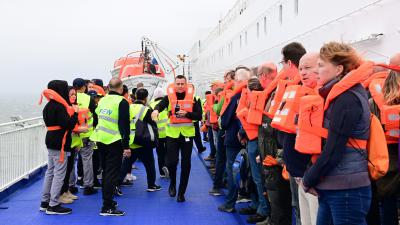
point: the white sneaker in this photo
(64, 199)
(130, 177)
(71, 196)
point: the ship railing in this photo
(22, 150)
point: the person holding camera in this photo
(183, 109)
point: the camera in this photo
(177, 109)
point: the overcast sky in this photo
(42, 40)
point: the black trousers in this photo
(197, 137)
(111, 159)
(161, 154)
(280, 200)
(96, 165)
(145, 155)
(70, 166)
(184, 145)
(80, 166)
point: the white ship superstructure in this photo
(254, 31)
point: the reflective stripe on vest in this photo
(285, 116)
(107, 130)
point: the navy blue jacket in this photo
(231, 124)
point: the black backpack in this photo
(145, 134)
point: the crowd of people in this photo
(307, 132)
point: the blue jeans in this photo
(344, 207)
(220, 162)
(231, 197)
(262, 205)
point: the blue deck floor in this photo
(141, 207)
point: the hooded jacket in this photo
(55, 114)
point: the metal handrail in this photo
(20, 121)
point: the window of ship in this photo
(245, 37)
(296, 7)
(240, 41)
(258, 29)
(280, 13)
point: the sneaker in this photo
(111, 212)
(256, 218)
(100, 175)
(154, 188)
(73, 189)
(248, 211)
(201, 150)
(209, 158)
(64, 199)
(224, 208)
(43, 206)
(58, 210)
(114, 204)
(162, 175)
(242, 199)
(130, 177)
(89, 191)
(71, 196)
(118, 191)
(166, 172)
(126, 183)
(215, 192)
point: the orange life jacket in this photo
(256, 107)
(389, 114)
(99, 90)
(228, 94)
(311, 111)
(285, 116)
(185, 104)
(242, 113)
(382, 74)
(281, 87)
(310, 124)
(53, 95)
(210, 99)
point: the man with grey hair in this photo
(230, 123)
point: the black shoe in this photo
(111, 212)
(202, 150)
(154, 188)
(118, 191)
(43, 206)
(215, 191)
(166, 172)
(180, 198)
(73, 189)
(114, 204)
(89, 191)
(256, 218)
(127, 183)
(224, 208)
(247, 211)
(96, 184)
(172, 190)
(58, 210)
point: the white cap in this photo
(158, 93)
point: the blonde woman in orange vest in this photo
(340, 177)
